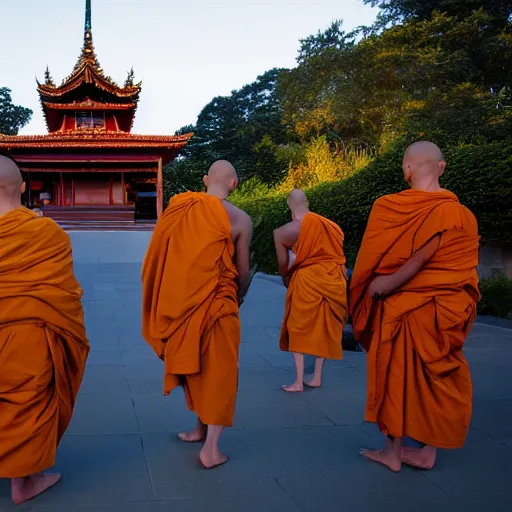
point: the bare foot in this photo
(196, 435)
(24, 489)
(296, 387)
(422, 458)
(386, 457)
(311, 382)
(212, 459)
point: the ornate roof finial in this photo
(88, 55)
(130, 78)
(48, 80)
(88, 22)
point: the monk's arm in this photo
(243, 244)
(410, 268)
(284, 238)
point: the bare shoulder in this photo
(238, 217)
(292, 226)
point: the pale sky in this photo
(185, 51)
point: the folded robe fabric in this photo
(419, 383)
(43, 343)
(316, 300)
(190, 307)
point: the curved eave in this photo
(85, 106)
(87, 74)
(93, 141)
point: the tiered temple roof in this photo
(88, 89)
(88, 82)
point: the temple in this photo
(89, 166)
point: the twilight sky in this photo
(186, 52)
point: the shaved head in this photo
(222, 177)
(423, 165)
(298, 203)
(11, 181)
(297, 198)
(424, 149)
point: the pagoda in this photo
(89, 165)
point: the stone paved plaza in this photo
(288, 452)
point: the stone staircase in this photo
(97, 218)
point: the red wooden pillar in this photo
(110, 191)
(62, 198)
(159, 191)
(123, 189)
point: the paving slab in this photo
(288, 452)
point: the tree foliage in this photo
(337, 124)
(12, 117)
(361, 91)
(399, 10)
(244, 128)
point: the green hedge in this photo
(496, 293)
(480, 175)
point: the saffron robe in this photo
(43, 343)
(190, 306)
(316, 300)
(419, 384)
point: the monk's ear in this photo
(205, 181)
(442, 167)
(407, 174)
(23, 187)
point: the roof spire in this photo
(88, 56)
(88, 23)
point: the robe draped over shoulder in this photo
(316, 300)
(43, 343)
(419, 383)
(190, 307)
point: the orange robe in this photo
(43, 344)
(190, 307)
(419, 385)
(316, 301)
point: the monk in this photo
(311, 263)
(43, 344)
(194, 277)
(413, 298)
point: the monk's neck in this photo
(218, 192)
(300, 214)
(8, 206)
(427, 186)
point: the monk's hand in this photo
(380, 287)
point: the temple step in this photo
(97, 218)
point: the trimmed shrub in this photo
(496, 295)
(480, 175)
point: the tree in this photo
(398, 10)
(244, 128)
(358, 90)
(12, 117)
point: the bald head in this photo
(423, 164)
(424, 149)
(298, 203)
(297, 198)
(222, 177)
(11, 182)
